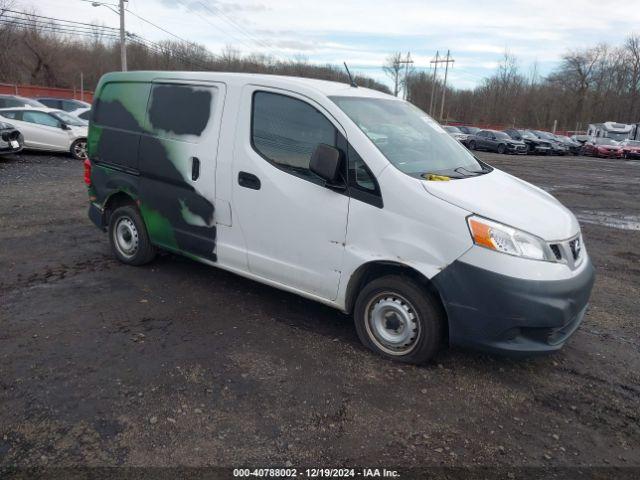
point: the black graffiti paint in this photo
(180, 109)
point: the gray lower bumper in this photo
(494, 312)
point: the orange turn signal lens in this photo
(481, 234)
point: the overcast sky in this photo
(364, 32)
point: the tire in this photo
(472, 145)
(403, 304)
(78, 149)
(501, 148)
(128, 237)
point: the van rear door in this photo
(177, 163)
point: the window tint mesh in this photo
(286, 130)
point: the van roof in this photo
(324, 87)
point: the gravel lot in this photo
(178, 363)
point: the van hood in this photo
(504, 198)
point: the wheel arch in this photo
(379, 268)
(116, 200)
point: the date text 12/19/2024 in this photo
(315, 472)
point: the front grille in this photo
(569, 251)
(576, 247)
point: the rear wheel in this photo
(79, 149)
(129, 238)
(398, 319)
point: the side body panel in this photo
(43, 137)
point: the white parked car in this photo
(84, 113)
(50, 130)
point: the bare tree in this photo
(632, 47)
(393, 69)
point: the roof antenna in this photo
(351, 80)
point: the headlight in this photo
(501, 238)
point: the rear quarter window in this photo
(122, 105)
(119, 114)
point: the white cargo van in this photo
(344, 195)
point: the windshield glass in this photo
(412, 141)
(31, 103)
(545, 135)
(528, 135)
(502, 135)
(605, 141)
(451, 129)
(70, 119)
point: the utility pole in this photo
(406, 74)
(444, 86)
(123, 45)
(123, 33)
(433, 82)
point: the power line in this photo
(203, 18)
(228, 20)
(157, 26)
(233, 23)
(27, 27)
(48, 23)
(54, 19)
(87, 30)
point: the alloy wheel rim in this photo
(80, 150)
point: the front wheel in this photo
(501, 148)
(129, 238)
(399, 319)
(79, 149)
(472, 145)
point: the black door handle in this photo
(195, 168)
(248, 180)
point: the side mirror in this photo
(64, 126)
(325, 162)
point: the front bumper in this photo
(609, 153)
(10, 141)
(517, 149)
(542, 150)
(499, 313)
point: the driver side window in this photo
(285, 131)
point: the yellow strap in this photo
(436, 178)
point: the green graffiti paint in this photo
(159, 228)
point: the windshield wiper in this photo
(470, 173)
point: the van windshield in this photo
(412, 141)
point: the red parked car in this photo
(630, 148)
(602, 147)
